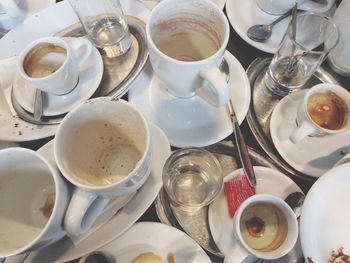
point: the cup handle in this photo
(237, 254)
(217, 93)
(317, 7)
(11, 8)
(82, 211)
(82, 48)
(344, 159)
(302, 131)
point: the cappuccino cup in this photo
(279, 7)
(33, 201)
(186, 43)
(52, 65)
(264, 227)
(323, 111)
(103, 147)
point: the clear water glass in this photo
(105, 25)
(192, 178)
(297, 59)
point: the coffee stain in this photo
(255, 226)
(47, 208)
(339, 256)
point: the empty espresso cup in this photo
(33, 201)
(279, 7)
(52, 65)
(324, 111)
(103, 147)
(265, 227)
(186, 42)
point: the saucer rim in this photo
(289, 187)
(159, 141)
(84, 89)
(178, 141)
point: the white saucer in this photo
(324, 222)
(157, 238)
(64, 250)
(269, 181)
(190, 122)
(29, 7)
(313, 156)
(244, 14)
(89, 79)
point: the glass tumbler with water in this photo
(192, 178)
(301, 53)
(105, 24)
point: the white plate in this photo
(64, 250)
(269, 181)
(90, 75)
(190, 122)
(244, 14)
(314, 155)
(158, 238)
(324, 222)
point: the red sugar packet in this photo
(236, 191)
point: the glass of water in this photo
(105, 25)
(192, 178)
(297, 58)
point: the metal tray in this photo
(196, 224)
(262, 104)
(119, 72)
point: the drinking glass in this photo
(299, 55)
(105, 24)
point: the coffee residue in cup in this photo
(339, 256)
(47, 208)
(255, 226)
(327, 110)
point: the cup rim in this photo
(86, 187)
(265, 198)
(33, 44)
(318, 87)
(55, 175)
(183, 151)
(331, 21)
(221, 49)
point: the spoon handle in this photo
(242, 147)
(288, 13)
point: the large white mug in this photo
(339, 57)
(103, 147)
(278, 7)
(33, 201)
(186, 42)
(52, 65)
(265, 227)
(325, 110)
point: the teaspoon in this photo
(261, 33)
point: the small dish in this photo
(269, 181)
(190, 122)
(90, 76)
(314, 155)
(151, 239)
(324, 222)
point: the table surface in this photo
(245, 54)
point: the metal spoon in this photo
(242, 147)
(38, 105)
(261, 33)
(295, 201)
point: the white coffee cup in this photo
(186, 42)
(33, 201)
(10, 8)
(339, 57)
(103, 147)
(252, 215)
(52, 65)
(278, 7)
(328, 113)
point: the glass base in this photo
(276, 88)
(116, 50)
